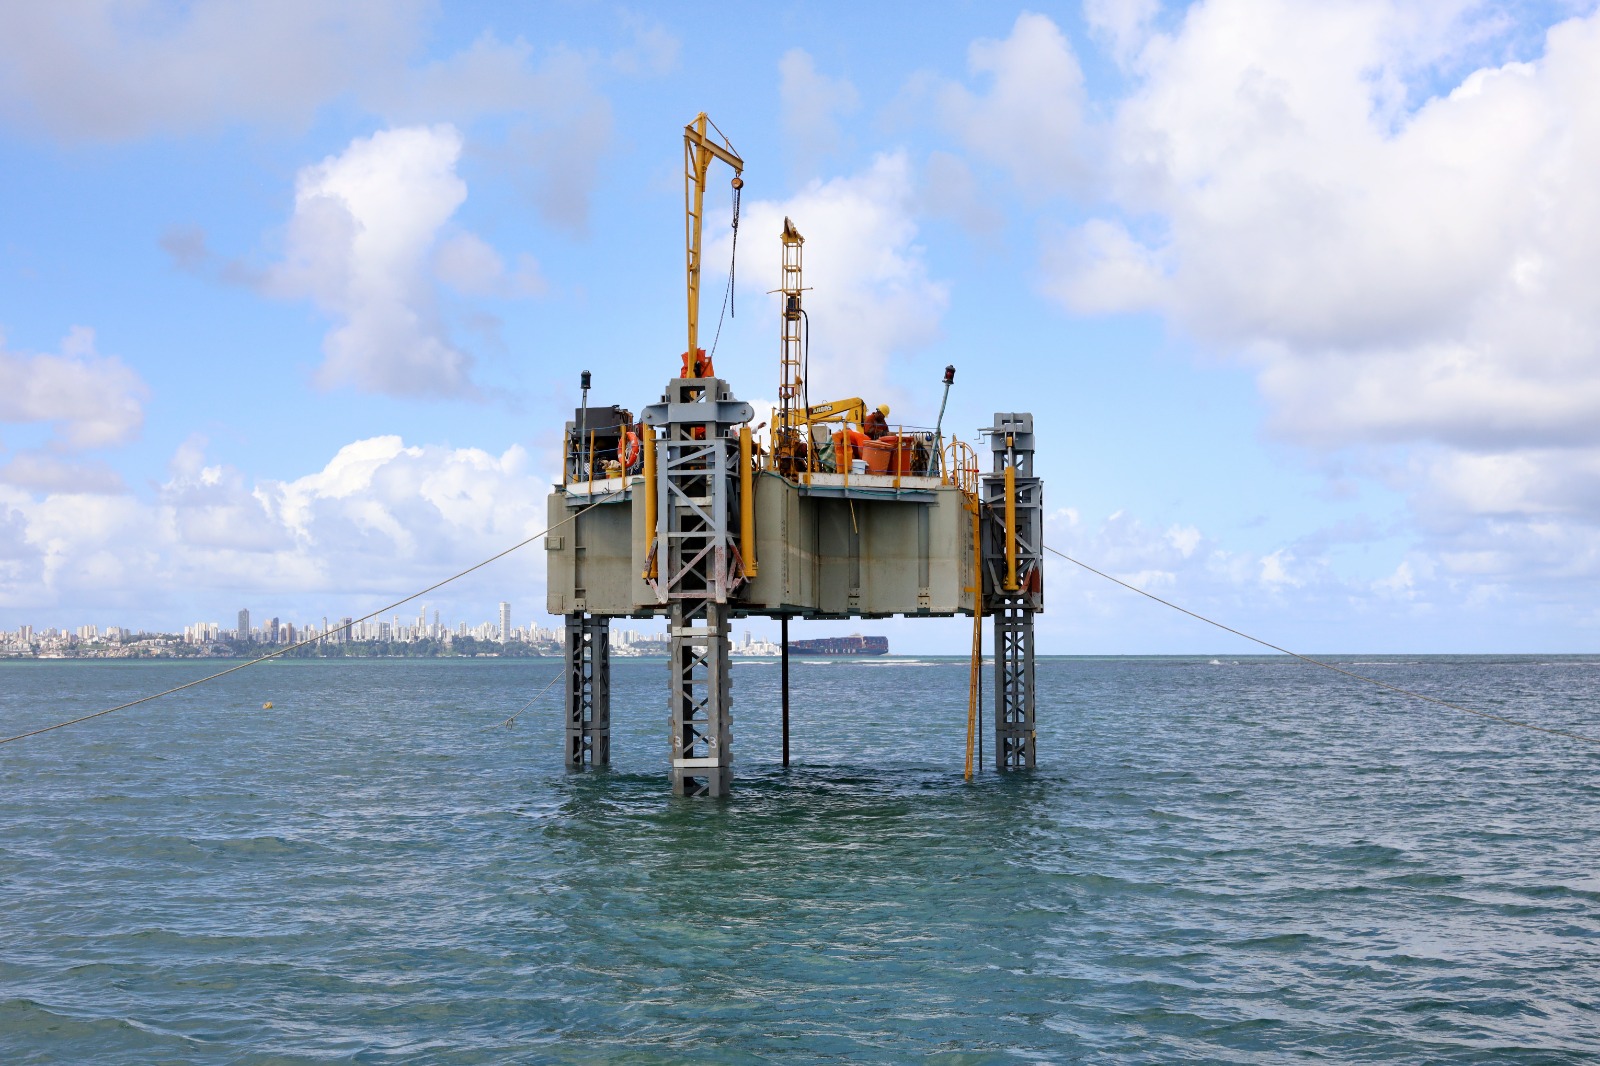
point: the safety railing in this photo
(960, 467)
(614, 452)
(852, 449)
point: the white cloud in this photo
(42, 471)
(1030, 120)
(1124, 24)
(653, 50)
(90, 400)
(364, 244)
(812, 104)
(559, 123)
(379, 520)
(1400, 235)
(872, 298)
(120, 69)
(116, 70)
(950, 189)
(1412, 276)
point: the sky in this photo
(294, 295)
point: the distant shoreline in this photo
(1398, 658)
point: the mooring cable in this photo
(507, 723)
(323, 636)
(1317, 662)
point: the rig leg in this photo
(1013, 686)
(1013, 581)
(698, 477)
(783, 681)
(588, 691)
(702, 701)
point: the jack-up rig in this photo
(843, 516)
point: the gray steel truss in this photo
(1013, 605)
(1013, 686)
(697, 486)
(588, 691)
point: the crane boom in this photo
(698, 152)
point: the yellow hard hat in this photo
(883, 409)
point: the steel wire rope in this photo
(1317, 662)
(552, 684)
(727, 292)
(312, 640)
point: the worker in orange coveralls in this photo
(877, 422)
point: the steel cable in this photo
(1326, 666)
(312, 640)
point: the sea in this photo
(1217, 860)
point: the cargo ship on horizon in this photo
(854, 644)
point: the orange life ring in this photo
(628, 450)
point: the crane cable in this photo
(733, 262)
(1317, 662)
(312, 640)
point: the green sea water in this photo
(1217, 860)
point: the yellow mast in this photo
(698, 151)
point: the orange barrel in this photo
(878, 454)
(901, 449)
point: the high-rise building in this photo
(344, 631)
(505, 621)
(244, 624)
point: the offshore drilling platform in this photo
(681, 512)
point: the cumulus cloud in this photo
(379, 519)
(872, 297)
(42, 471)
(1293, 595)
(89, 400)
(812, 104)
(1397, 227)
(653, 50)
(1398, 277)
(558, 122)
(1124, 24)
(120, 69)
(117, 70)
(367, 242)
(950, 189)
(1030, 117)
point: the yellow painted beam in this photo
(747, 505)
(650, 569)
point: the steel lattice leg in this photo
(1014, 734)
(702, 700)
(588, 691)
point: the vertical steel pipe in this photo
(650, 501)
(1011, 527)
(747, 505)
(783, 638)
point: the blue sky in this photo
(294, 296)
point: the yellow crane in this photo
(853, 409)
(699, 149)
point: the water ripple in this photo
(1250, 861)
